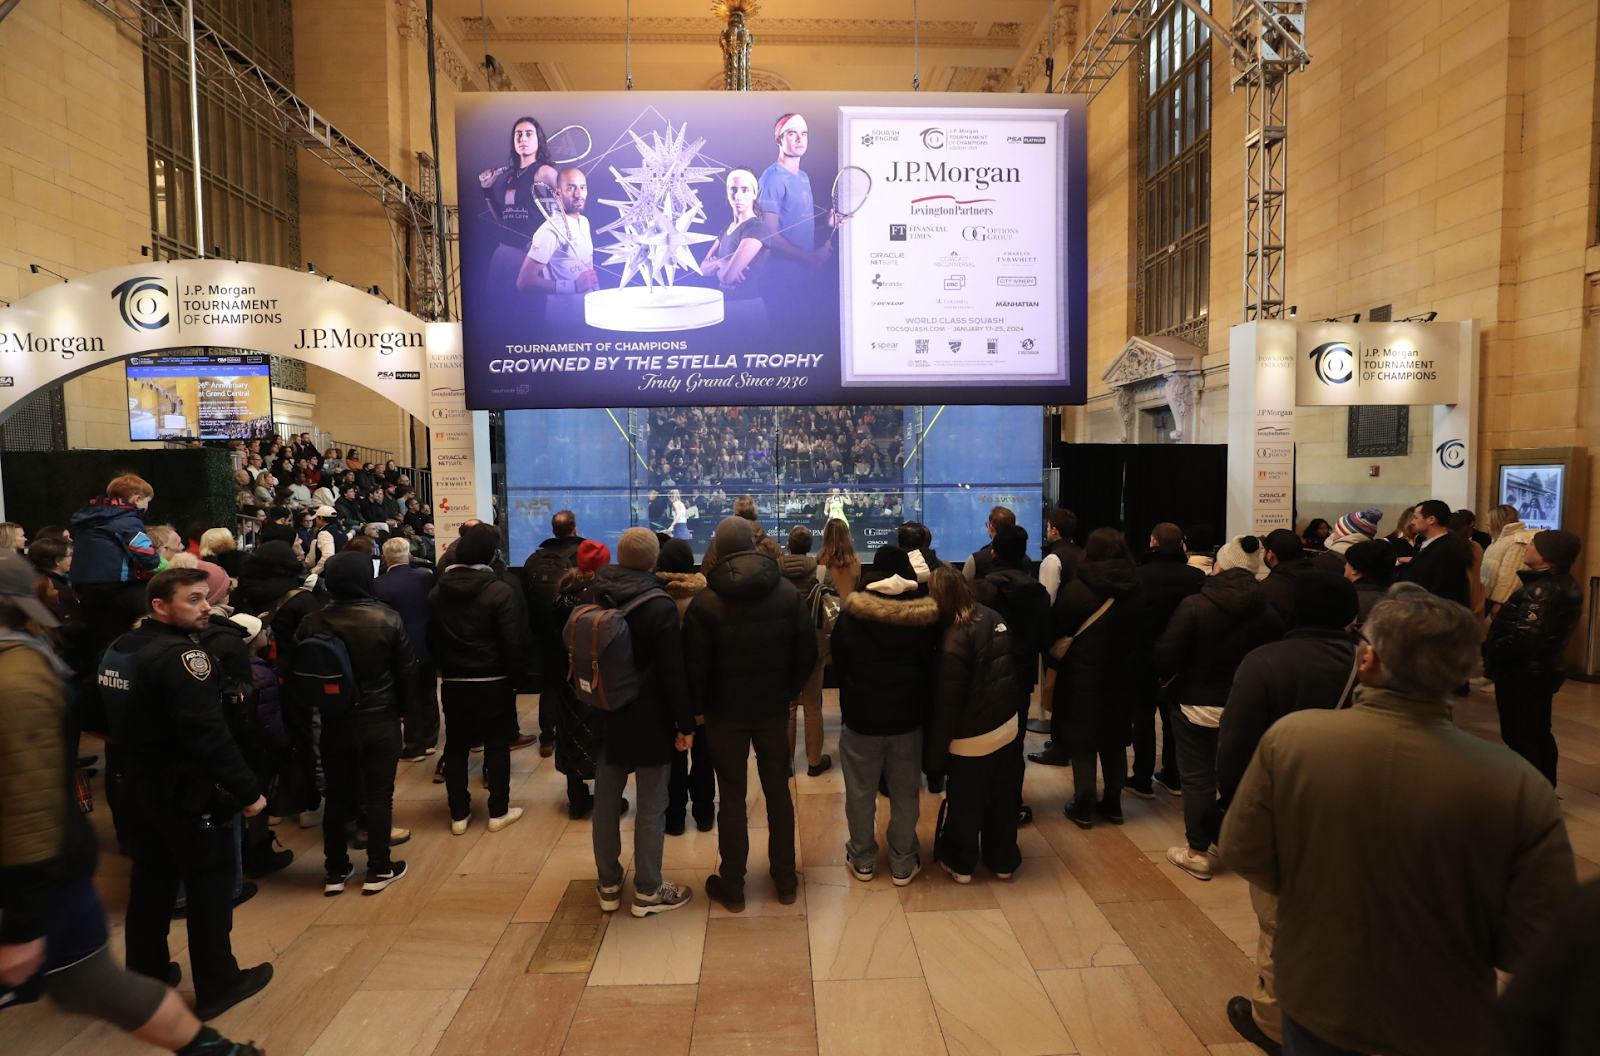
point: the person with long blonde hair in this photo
(838, 556)
(1503, 557)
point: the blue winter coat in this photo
(109, 544)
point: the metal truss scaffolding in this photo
(227, 69)
(1115, 37)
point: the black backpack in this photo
(321, 675)
(1024, 605)
(541, 576)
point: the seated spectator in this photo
(218, 547)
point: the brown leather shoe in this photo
(525, 739)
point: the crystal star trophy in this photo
(652, 239)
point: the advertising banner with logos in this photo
(86, 322)
(1274, 365)
(670, 248)
(458, 439)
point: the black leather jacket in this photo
(1531, 630)
(380, 653)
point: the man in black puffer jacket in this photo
(1165, 579)
(884, 645)
(1208, 637)
(1285, 554)
(749, 646)
(1524, 650)
(479, 639)
(360, 750)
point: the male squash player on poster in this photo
(789, 211)
(560, 258)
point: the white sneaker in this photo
(902, 881)
(311, 819)
(960, 878)
(459, 828)
(666, 897)
(1196, 865)
(610, 897)
(496, 824)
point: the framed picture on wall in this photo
(1545, 484)
(1536, 492)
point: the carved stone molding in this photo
(760, 81)
(1151, 371)
(872, 32)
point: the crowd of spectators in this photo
(703, 447)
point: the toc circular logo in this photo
(933, 138)
(1452, 454)
(1334, 362)
(145, 304)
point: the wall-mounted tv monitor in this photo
(218, 397)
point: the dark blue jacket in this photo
(405, 590)
(109, 544)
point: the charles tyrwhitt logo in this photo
(144, 302)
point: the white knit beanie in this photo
(1242, 551)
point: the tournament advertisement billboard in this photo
(671, 248)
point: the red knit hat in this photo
(591, 555)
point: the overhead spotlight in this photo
(40, 269)
(1293, 308)
(5, 304)
(312, 268)
(1425, 317)
(144, 251)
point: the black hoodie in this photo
(372, 632)
(1210, 634)
(1097, 671)
(749, 644)
(478, 627)
(270, 572)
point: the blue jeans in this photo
(649, 823)
(1298, 1041)
(898, 759)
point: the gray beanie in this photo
(638, 549)
(734, 535)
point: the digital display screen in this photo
(662, 249)
(1537, 492)
(199, 397)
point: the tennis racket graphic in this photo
(850, 189)
(570, 144)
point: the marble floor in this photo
(1096, 946)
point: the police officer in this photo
(186, 780)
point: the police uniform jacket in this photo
(162, 694)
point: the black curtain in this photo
(1134, 487)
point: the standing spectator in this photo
(693, 786)
(1200, 543)
(1461, 525)
(800, 568)
(1100, 611)
(1357, 526)
(972, 737)
(404, 589)
(1061, 554)
(1404, 536)
(643, 735)
(1370, 566)
(185, 780)
(330, 538)
(1502, 558)
(1410, 859)
(1483, 539)
(114, 557)
(1313, 666)
(977, 565)
(749, 647)
(1165, 579)
(1008, 587)
(478, 638)
(359, 750)
(1287, 559)
(579, 727)
(542, 574)
(1210, 634)
(1526, 647)
(744, 506)
(838, 556)
(1442, 561)
(53, 933)
(1549, 1007)
(884, 646)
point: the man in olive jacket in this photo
(749, 646)
(1410, 858)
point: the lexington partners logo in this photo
(334, 337)
(1452, 454)
(144, 302)
(446, 392)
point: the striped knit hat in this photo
(1363, 522)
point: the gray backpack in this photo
(599, 645)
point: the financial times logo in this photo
(1334, 362)
(144, 302)
(933, 138)
(897, 232)
(1452, 454)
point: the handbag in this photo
(825, 604)
(1059, 647)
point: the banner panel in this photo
(671, 248)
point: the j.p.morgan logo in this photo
(1452, 454)
(399, 375)
(933, 138)
(1334, 363)
(385, 341)
(144, 302)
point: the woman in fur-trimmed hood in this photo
(675, 569)
(885, 646)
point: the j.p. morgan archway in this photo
(86, 322)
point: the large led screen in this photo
(654, 249)
(199, 397)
